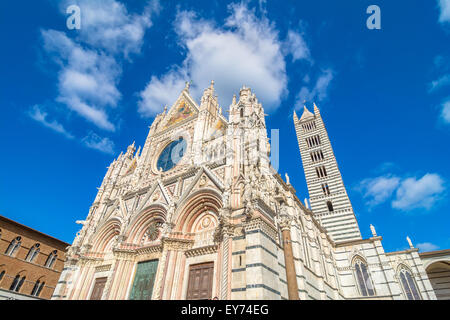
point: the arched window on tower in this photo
(330, 206)
(13, 246)
(32, 254)
(51, 259)
(241, 112)
(408, 284)
(362, 278)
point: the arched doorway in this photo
(439, 275)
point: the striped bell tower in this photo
(328, 198)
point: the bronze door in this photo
(200, 281)
(144, 280)
(98, 288)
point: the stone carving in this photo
(409, 242)
(152, 233)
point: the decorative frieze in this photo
(103, 268)
(201, 251)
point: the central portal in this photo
(144, 280)
(200, 281)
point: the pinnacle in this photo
(306, 114)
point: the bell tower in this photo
(328, 197)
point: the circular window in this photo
(171, 155)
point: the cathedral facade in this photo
(200, 213)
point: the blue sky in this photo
(72, 100)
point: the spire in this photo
(306, 114)
(186, 87)
(316, 109)
(295, 117)
(130, 150)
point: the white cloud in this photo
(427, 246)
(296, 46)
(444, 6)
(246, 50)
(318, 92)
(41, 116)
(108, 25)
(416, 193)
(94, 141)
(91, 63)
(439, 83)
(385, 167)
(445, 114)
(161, 91)
(379, 189)
(87, 79)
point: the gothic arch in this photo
(22, 273)
(357, 256)
(430, 262)
(407, 281)
(140, 222)
(41, 278)
(103, 238)
(363, 278)
(402, 265)
(202, 200)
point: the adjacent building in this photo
(30, 262)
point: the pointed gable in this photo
(306, 114)
(181, 110)
(204, 178)
(156, 194)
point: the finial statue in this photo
(374, 232)
(287, 178)
(212, 84)
(187, 86)
(409, 242)
(165, 108)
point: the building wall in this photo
(35, 270)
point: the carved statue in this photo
(372, 228)
(409, 242)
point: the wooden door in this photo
(200, 281)
(97, 291)
(144, 280)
